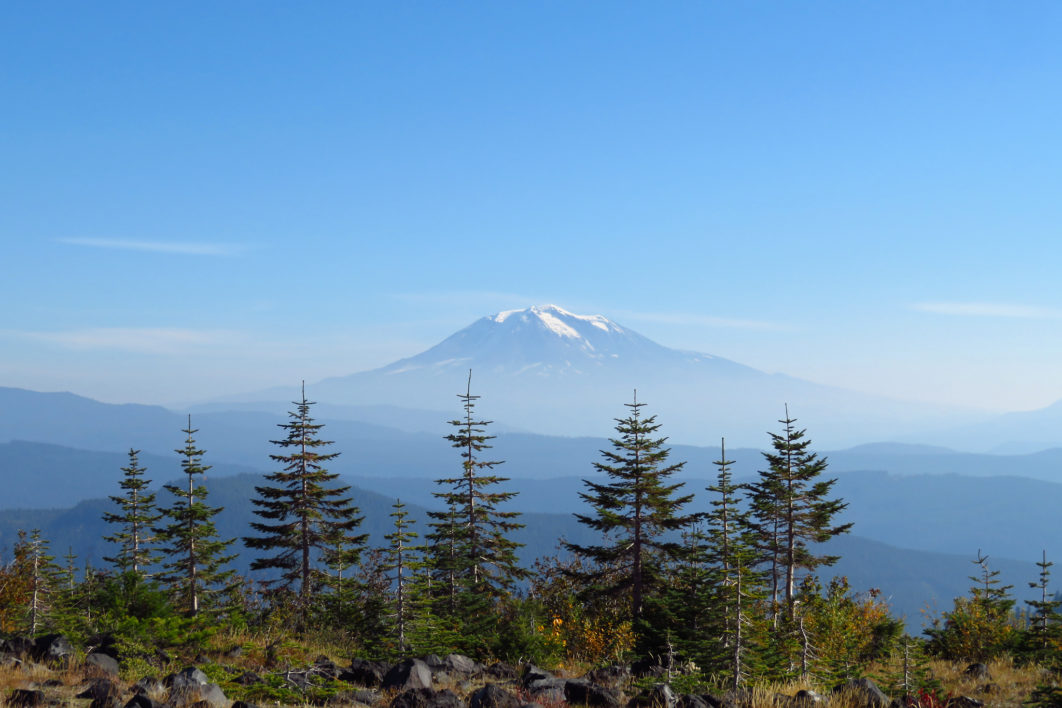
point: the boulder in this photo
(647, 666)
(585, 693)
(805, 699)
(864, 693)
(19, 646)
(493, 696)
(688, 700)
(427, 698)
(9, 661)
(978, 671)
(501, 670)
(100, 689)
(461, 664)
(53, 648)
(547, 690)
(248, 678)
(614, 676)
(532, 673)
(142, 700)
(661, 696)
(365, 673)
(24, 698)
(964, 702)
(411, 673)
(189, 676)
(148, 684)
(100, 664)
(204, 694)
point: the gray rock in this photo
(100, 664)
(189, 676)
(411, 673)
(614, 676)
(100, 689)
(547, 690)
(142, 700)
(461, 664)
(532, 673)
(585, 693)
(978, 671)
(661, 696)
(25, 698)
(365, 673)
(964, 702)
(501, 670)
(493, 696)
(865, 693)
(148, 684)
(208, 694)
(53, 648)
(805, 699)
(427, 698)
(687, 700)
(19, 646)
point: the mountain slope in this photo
(547, 370)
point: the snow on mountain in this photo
(545, 369)
(542, 341)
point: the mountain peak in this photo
(557, 320)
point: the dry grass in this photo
(1008, 686)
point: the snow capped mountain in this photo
(545, 369)
(545, 340)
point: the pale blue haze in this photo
(209, 198)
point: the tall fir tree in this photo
(634, 512)
(402, 562)
(136, 515)
(1043, 638)
(307, 518)
(484, 560)
(45, 579)
(792, 509)
(194, 555)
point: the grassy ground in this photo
(1007, 686)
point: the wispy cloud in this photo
(989, 309)
(695, 320)
(139, 340)
(174, 247)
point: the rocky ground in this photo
(50, 671)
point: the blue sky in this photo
(199, 199)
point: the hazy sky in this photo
(205, 198)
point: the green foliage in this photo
(136, 515)
(791, 508)
(195, 556)
(980, 626)
(634, 511)
(472, 556)
(306, 517)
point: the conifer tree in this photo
(484, 563)
(401, 560)
(195, 556)
(44, 578)
(730, 554)
(1044, 635)
(634, 510)
(136, 515)
(792, 508)
(307, 518)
